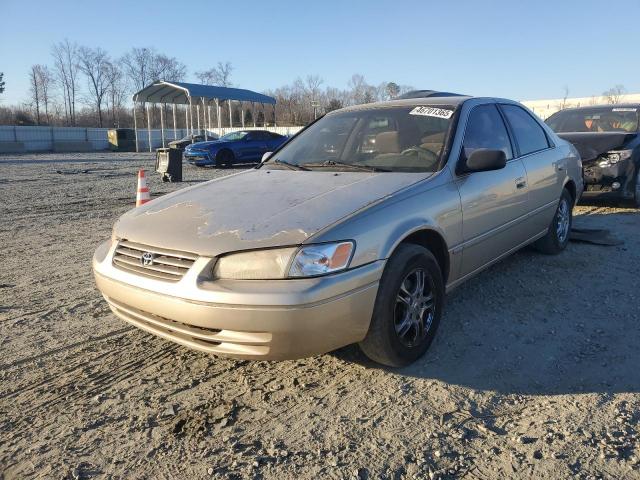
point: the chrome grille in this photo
(161, 263)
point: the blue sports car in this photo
(243, 146)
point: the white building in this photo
(545, 108)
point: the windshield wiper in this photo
(290, 166)
(333, 163)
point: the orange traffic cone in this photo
(142, 196)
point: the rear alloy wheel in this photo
(557, 236)
(224, 159)
(408, 308)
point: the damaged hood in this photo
(256, 209)
(591, 145)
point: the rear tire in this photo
(224, 159)
(407, 312)
(557, 238)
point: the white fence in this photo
(35, 139)
(43, 138)
(156, 134)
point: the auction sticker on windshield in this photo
(432, 112)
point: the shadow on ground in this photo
(536, 324)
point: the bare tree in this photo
(334, 104)
(65, 63)
(34, 89)
(46, 82)
(96, 66)
(1, 82)
(219, 75)
(40, 81)
(392, 90)
(144, 65)
(361, 91)
(138, 66)
(168, 68)
(614, 94)
(116, 92)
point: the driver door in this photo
(254, 146)
(493, 202)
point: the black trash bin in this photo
(169, 164)
(122, 139)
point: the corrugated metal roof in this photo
(180, 92)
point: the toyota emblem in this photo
(147, 258)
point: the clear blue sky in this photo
(520, 50)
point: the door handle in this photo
(521, 182)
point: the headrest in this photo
(387, 142)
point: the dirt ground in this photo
(535, 372)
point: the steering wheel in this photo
(417, 151)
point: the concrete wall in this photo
(15, 139)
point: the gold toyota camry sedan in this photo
(351, 232)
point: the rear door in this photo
(545, 166)
(494, 202)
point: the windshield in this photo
(234, 136)
(406, 139)
(609, 119)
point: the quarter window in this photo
(529, 134)
(486, 129)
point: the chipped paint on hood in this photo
(256, 209)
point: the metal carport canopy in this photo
(183, 93)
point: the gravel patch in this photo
(534, 373)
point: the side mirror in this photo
(266, 156)
(484, 160)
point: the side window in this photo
(530, 136)
(486, 129)
(262, 136)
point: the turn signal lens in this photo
(314, 260)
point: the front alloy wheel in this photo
(415, 308)
(407, 309)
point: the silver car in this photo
(352, 232)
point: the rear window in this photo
(529, 134)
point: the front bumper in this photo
(269, 320)
(198, 158)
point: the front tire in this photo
(224, 159)
(408, 308)
(557, 237)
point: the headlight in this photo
(314, 260)
(306, 261)
(614, 157)
(256, 265)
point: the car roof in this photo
(607, 106)
(453, 100)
